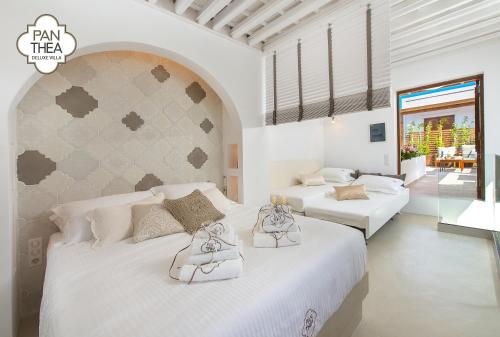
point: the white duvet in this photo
(124, 290)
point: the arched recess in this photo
(228, 109)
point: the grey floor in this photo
(422, 283)
(429, 284)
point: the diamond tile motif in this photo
(78, 71)
(146, 83)
(78, 133)
(57, 182)
(35, 99)
(196, 92)
(147, 182)
(33, 202)
(78, 165)
(197, 158)
(206, 125)
(117, 186)
(132, 121)
(76, 101)
(33, 167)
(160, 73)
(81, 190)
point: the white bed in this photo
(299, 196)
(124, 289)
(369, 215)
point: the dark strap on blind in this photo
(301, 98)
(369, 93)
(330, 71)
(275, 93)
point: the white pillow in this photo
(313, 179)
(380, 184)
(114, 223)
(336, 175)
(218, 199)
(176, 191)
(71, 217)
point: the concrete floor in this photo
(422, 283)
(427, 283)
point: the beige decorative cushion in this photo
(193, 210)
(152, 221)
(352, 192)
(113, 224)
(313, 179)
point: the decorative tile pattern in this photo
(33, 167)
(78, 165)
(76, 138)
(147, 182)
(206, 125)
(197, 157)
(196, 92)
(133, 121)
(76, 101)
(160, 73)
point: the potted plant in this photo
(412, 163)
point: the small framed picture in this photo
(377, 132)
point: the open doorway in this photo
(440, 145)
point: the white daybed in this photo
(318, 201)
(124, 289)
(368, 215)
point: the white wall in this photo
(301, 140)
(347, 142)
(232, 69)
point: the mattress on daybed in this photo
(369, 214)
(299, 196)
(124, 289)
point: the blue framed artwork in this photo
(377, 132)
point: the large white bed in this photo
(124, 289)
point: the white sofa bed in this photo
(320, 202)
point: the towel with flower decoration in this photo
(276, 227)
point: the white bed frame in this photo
(284, 174)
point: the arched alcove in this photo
(109, 122)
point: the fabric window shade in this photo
(287, 77)
(348, 22)
(269, 84)
(314, 74)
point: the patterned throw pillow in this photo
(152, 221)
(193, 210)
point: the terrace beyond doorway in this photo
(440, 145)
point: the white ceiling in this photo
(253, 22)
(423, 27)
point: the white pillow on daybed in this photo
(336, 175)
(71, 218)
(176, 191)
(380, 184)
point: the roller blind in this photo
(348, 22)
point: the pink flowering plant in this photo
(409, 152)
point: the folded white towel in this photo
(276, 219)
(228, 254)
(213, 244)
(276, 240)
(213, 271)
(218, 229)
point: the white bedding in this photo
(299, 197)
(370, 214)
(124, 290)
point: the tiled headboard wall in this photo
(103, 124)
